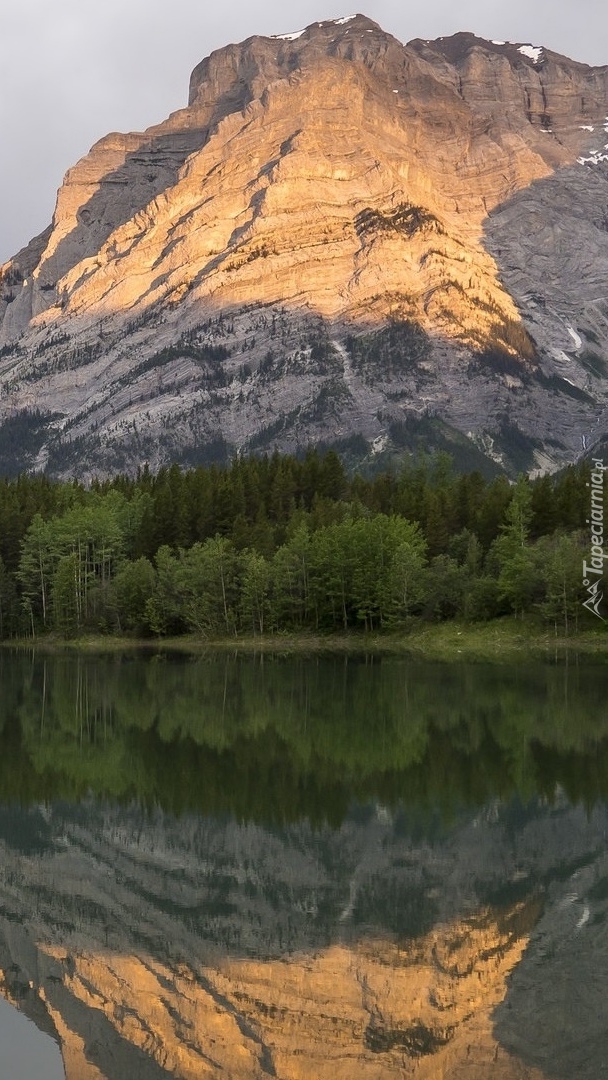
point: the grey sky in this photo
(25, 1051)
(72, 70)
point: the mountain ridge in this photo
(201, 280)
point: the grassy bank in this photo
(507, 639)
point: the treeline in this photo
(285, 544)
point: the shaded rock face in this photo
(153, 947)
(552, 241)
(200, 282)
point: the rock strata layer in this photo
(152, 947)
(201, 283)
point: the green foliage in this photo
(208, 356)
(67, 610)
(255, 592)
(564, 386)
(91, 538)
(558, 559)
(513, 334)
(594, 361)
(405, 218)
(497, 360)
(208, 587)
(515, 444)
(423, 436)
(21, 437)
(517, 578)
(400, 346)
(275, 740)
(11, 621)
(282, 543)
(133, 586)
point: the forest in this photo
(286, 544)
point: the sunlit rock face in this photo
(153, 947)
(200, 281)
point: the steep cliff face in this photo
(203, 282)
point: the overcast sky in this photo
(73, 70)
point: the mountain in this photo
(152, 947)
(340, 239)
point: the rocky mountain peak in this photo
(239, 73)
(232, 277)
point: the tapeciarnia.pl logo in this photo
(594, 569)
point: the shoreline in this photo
(499, 641)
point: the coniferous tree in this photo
(517, 578)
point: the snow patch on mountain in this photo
(535, 53)
(578, 341)
(595, 156)
(288, 37)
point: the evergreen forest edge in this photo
(283, 544)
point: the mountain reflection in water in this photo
(306, 868)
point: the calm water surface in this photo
(304, 868)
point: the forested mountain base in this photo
(279, 544)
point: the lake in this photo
(303, 867)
